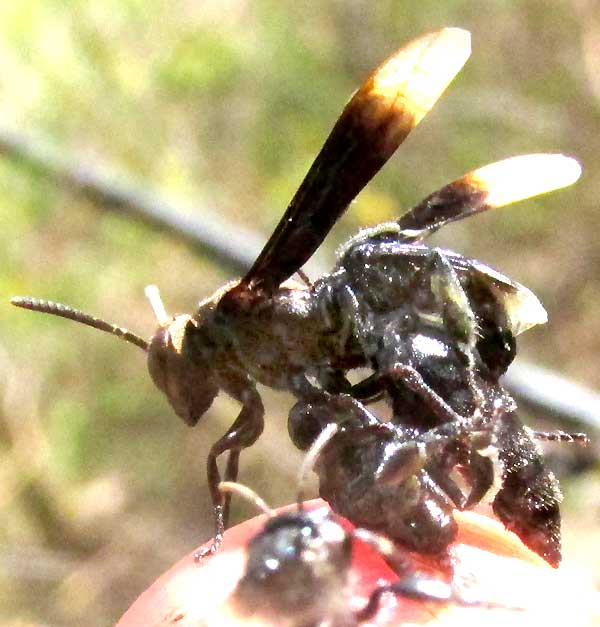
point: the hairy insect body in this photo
(276, 339)
(437, 329)
(415, 513)
(301, 571)
(297, 572)
(405, 483)
(379, 306)
(449, 410)
(529, 498)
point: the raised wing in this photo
(522, 306)
(491, 186)
(379, 116)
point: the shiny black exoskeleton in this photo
(299, 573)
(409, 312)
(450, 424)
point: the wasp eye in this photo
(187, 384)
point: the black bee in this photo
(298, 567)
(405, 481)
(387, 286)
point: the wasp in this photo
(386, 288)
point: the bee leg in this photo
(317, 408)
(440, 474)
(561, 436)
(369, 390)
(413, 380)
(411, 584)
(462, 454)
(419, 587)
(243, 433)
(480, 474)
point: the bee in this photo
(299, 566)
(405, 482)
(386, 287)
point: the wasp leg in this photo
(231, 473)
(243, 433)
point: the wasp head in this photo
(178, 364)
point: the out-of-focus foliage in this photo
(225, 103)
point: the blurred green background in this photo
(223, 104)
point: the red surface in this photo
(490, 564)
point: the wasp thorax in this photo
(186, 383)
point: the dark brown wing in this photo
(374, 123)
(491, 186)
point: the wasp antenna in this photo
(64, 311)
(247, 493)
(153, 295)
(311, 457)
(494, 185)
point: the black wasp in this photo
(386, 287)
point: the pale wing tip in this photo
(568, 167)
(524, 176)
(451, 45)
(550, 170)
(529, 312)
(460, 38)
(421, 71)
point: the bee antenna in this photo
(64, 311)
(153, 295)
(247, 493)
(311, 457)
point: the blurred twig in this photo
(236, 248)
(231, 246)
(544, 390)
